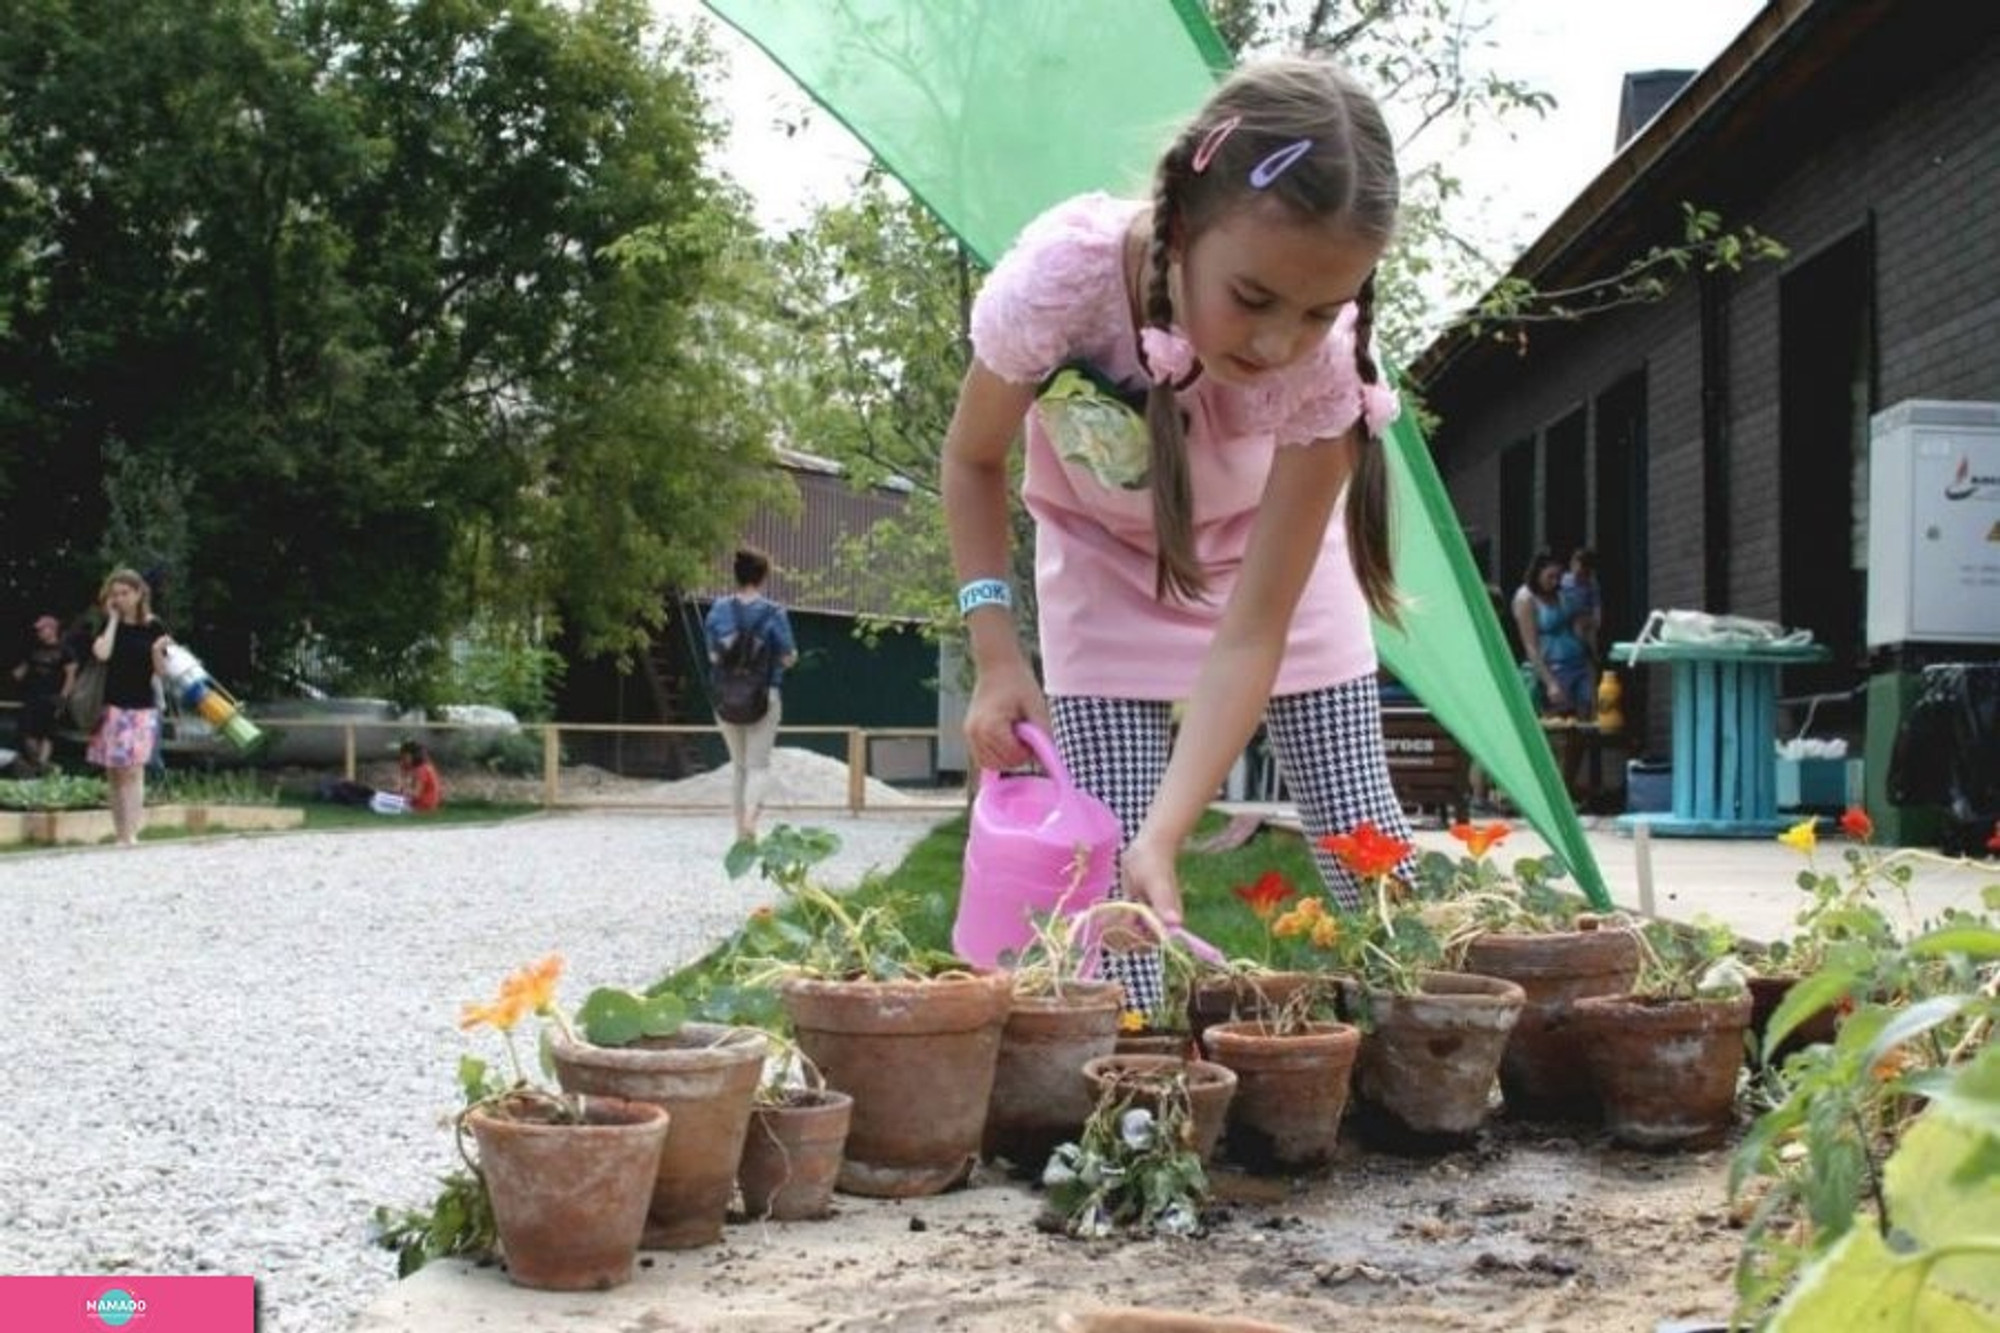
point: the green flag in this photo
(990, 111)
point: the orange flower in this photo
(503, 1013)
(1326, 933)
(1367, 852)
(1856, 824)
(1294, 922)
(1478, 838)
(1264, 896)
(533, 988)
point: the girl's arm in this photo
(100, 647)
(1242, 662)
(989, 415)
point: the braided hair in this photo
(1346, 177)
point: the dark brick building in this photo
(1712, 445)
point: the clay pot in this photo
(1665, 1069)
(1428, 1062)
(1540, 1074)
(1210, 1088)
(570, 1200)
(1233, 998)
(1766, 994)
(792, 1155)
(1038, 1100)
(917, 1057)
(1290, 1092)
(1154, 1041)
(705, 1076)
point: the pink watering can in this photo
(1037, 846)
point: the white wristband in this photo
(984, 592)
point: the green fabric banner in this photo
(989, 111)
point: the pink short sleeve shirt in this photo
(1059, 296)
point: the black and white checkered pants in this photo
(1329, 749)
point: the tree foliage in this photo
(318, 306)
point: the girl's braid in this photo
(1364, 331)
(1159, 304)
(1177, 573)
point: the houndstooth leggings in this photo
(1329, 749)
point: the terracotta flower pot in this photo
(1665, 1069)
(1210, 1088)
(918, 1059)
(1540, 1074)
(570, 1200)
(1428, 1063)
(1038, 1100)
(1766, 994)
(705, 1075)
(1290, 1092)
(1154, 1041)
(1232, 998)
(792, 1155)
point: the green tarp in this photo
(992, 110)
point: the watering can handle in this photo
(1045, 752)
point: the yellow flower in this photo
(1801, 836)
(1326, 933)
(1131, 1020)
(1312, 909)
(1294, 922)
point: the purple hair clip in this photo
(1204, 152)
(1278, 163)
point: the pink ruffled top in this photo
(1059, 296)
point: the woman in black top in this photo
(130, 646)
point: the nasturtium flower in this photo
(1367, 852)
(1480, 838)
(502, 1014)
(1856, 824)
(1802, 836)
(1325, 933)
(1263, 897)
(1294, 922)
(1131, 1020)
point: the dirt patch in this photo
(1521, 1231)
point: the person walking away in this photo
(130, 645)
(750, 644)
(1203, 418)
(47, 675)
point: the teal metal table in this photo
(1725, 728)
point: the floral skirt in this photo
(124, 737)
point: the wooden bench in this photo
(1430, 770)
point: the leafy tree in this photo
(342, 279)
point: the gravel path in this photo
(223, 1054)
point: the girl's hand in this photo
(1148, 876)
(1005, 694)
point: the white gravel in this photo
(224, 1053)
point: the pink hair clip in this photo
(1204, 153)
(1278, 163)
